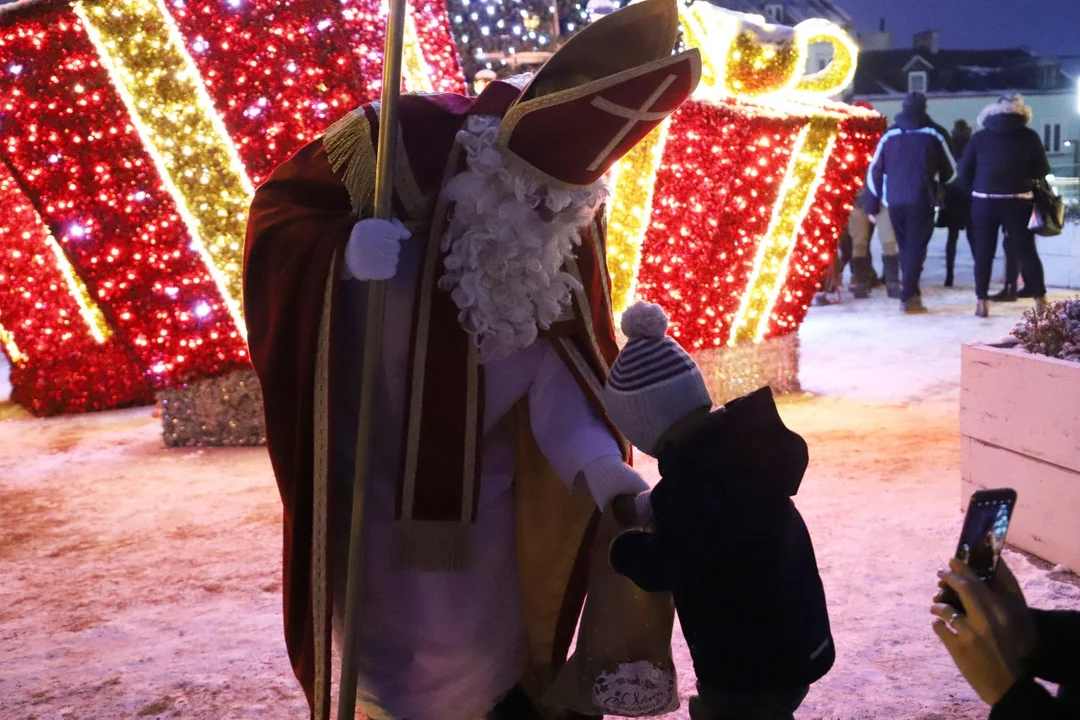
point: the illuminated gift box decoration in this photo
(135, 130)
(133, 134)
(729, 213)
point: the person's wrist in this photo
(996, 695)
(622, 508)
(632, 511)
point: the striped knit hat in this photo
(653, 383)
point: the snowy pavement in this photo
(137, 581)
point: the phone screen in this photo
(983, 536)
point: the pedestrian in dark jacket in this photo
(912, 157)
(1000, 166)
(729, 543)
(1001, 646)
(956, 210)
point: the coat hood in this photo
(1007, 114)
(742, 451)
(912, 119)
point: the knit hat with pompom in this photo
(653, 383)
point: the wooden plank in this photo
(1021, 402)
(1047, 518)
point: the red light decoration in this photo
(58, 321)
(83, 168)
(719, 197)
(98, 181)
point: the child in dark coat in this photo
(728, 542)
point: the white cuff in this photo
(609, 476)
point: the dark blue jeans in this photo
(914, 226)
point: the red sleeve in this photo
(300, 218)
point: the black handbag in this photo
(1048, 216)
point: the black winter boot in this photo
(1007, 294)
(861, 270)
(893, 288)
(950, 256)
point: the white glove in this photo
(373, 249)
(609, 478)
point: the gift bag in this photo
(622, 664)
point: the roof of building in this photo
(795, 11)
(1070, 66)
(885, 72)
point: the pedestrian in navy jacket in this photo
(1000, 167)
(912, 158)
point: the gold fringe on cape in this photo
(348, 145)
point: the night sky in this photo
(1049, 26)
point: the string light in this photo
(811, 150)
(839, 73)
(417, 75)
(736, 205)
(56, 337)
(734, 371)
(144, 54)
(746, 57)
(633, 180)
(88, 309)
(732, 231)
(490, 33)
(127, 178)
(13, 352)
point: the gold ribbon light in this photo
(743, 58)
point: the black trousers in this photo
(988, 217)
(773, 704)
(914, 226)
(1012, 266)
(950, 247)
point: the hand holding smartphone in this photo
(983, 536)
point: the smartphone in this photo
(983, 536)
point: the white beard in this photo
(505, 264)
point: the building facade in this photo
(960, 83)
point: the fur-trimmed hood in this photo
(1008, 113)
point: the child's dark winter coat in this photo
(735, 553)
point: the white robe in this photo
(441, 645)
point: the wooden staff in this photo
(376, 301)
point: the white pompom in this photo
(644, 320)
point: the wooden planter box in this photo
(1061, 257)
(1020, 428)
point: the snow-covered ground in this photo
(142, 582)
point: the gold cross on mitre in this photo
(633, 117)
